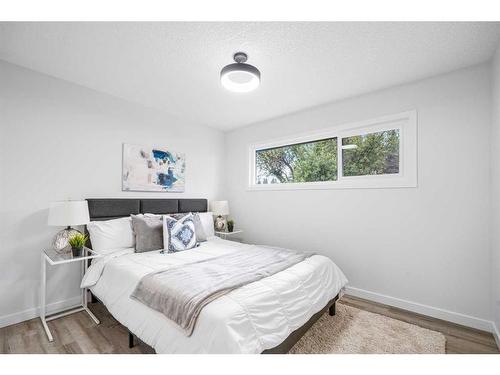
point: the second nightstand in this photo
(231, 236)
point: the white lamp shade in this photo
(220, 208)
(67, 213)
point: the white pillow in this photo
(207, 221)
(110, 235)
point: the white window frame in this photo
(405, 122)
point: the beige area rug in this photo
(353, 331)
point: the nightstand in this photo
(55, 258)
(231, 236)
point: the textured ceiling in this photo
(175, 66)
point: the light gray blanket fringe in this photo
(180, 292)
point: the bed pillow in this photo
(179, 235)
(148, 231)
(199, 227)
(207, 222)
(110, 235)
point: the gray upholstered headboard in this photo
(113, 208)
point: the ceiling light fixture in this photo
(240, 77)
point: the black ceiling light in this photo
(240, 77)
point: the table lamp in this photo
(221, 210)
(67, 213)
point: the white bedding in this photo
(250, 319)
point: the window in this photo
(370, 154)
(301, 162)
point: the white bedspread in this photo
(250, 319)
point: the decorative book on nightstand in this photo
(55, 258)
(235, 235)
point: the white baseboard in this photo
(435, 312)
(496, 334)
(34, 312)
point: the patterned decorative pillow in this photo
(198, 226)
(179, 235)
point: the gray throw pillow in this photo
(201, 236)
(148, 230)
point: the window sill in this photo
(379, 182)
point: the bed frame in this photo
(114, 208)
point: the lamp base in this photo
(60, 241)
(220, 223)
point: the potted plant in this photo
(230, 225)
(77, 242)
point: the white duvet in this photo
(250, 319)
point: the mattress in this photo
(250, 319)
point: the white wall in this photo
(427, 245)
(58, 141)
(495, 194)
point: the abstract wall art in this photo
(152, 169)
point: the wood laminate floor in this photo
(77, 333)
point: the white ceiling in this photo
(175, 66)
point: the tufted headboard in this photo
(113, 208)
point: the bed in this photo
(266, 316)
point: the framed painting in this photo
(152, 169)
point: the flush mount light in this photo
(240, 77)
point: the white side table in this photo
(54, 258)
(231, 236)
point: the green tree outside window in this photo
(374, 153)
